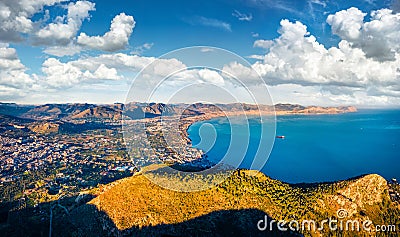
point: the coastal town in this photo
(69, 163)
(62, 163)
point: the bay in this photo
(316, 148)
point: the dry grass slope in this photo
(137, 203)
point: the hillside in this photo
(74, 111)
(13, 109)
(134, 110)
(136, 206)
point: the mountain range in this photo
(113, 112)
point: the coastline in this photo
(183, 123)
(186, 122)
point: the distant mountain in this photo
(10, 119)
(289, 107)
(92, 112)
(99, 112)
(74, 111)
(13, 109)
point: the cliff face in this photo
(135, 204)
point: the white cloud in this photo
(363, 69)
(116, 39)
(60, 51)
(241, 16)
(211, 76)
(379, 38)
(62, 75)
(255, 56)
(315, 95)
(14, 81)
(243, 73)
(347, 23)
(15, 17)
(345, 71)
(210, 22)
(103, 67)
(103, 72)
(142, 48)
(296, 56)
(60, 36)
(318, 2)
(265, 44)
(60, 32)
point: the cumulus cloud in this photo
(116, 39)
(347, 23)
(211, 76)
(265, 44)
(59, 74)
(347, 70)
(61, 32)
(60, 51)
(111, 67)
(14, 81)
(15, 17)
(242, 72)
(296, 56)
(60, 35)
(379, 38)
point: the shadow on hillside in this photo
(68, 217)
(86, 220)
(217, 223)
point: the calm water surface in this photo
(316, 148)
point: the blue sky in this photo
(48, 35)
(170, 25)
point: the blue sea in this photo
(316, 148)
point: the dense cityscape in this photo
(42, 164)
